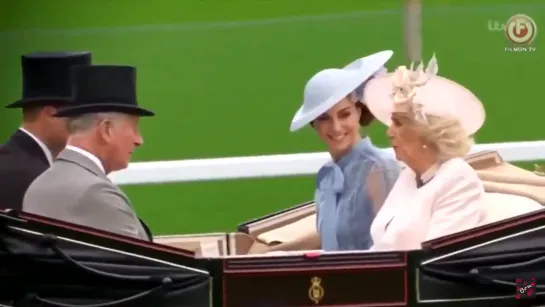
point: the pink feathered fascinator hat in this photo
(423, 92)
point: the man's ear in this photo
(49, 110)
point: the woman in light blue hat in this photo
(351, 188)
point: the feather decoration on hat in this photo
(406, 82)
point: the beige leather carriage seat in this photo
(212, 245)
(502, 206)
(293, 230)
(510, 190)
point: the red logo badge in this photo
(526, 288)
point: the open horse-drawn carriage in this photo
(51, 263)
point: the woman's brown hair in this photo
(366, 117)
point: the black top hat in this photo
(103, 88)
(47, 77)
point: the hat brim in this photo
(103, 107)
(42, 101)
(361, 70)
(439, 96)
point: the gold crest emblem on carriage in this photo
(539, 170)
(316, 291)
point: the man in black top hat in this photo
(32, 148)
(103, 126)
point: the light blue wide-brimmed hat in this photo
(329, 86)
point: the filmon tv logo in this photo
(520, 31)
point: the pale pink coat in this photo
(452, 201)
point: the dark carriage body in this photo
(453, 271)
(48, 263)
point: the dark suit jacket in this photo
(21, 161)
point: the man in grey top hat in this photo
(33, 147)
(103, 129)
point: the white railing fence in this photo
(302, 164)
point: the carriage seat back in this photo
(499, 176)
(510, 190)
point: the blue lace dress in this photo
(349, 193)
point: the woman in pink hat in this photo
(353, 185)
(431, 122)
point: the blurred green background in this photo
(226, 76)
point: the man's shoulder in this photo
(99, 185)
(15, 172)
(12, 151)
(70, 171)
(61, 176)
(7, 148)
(104, 190)
(16, 176)
(15, 163)
(27, 171)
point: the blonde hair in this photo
(444, 133)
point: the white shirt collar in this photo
(87, 154)
(45, 149)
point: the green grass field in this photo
(226, 76)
